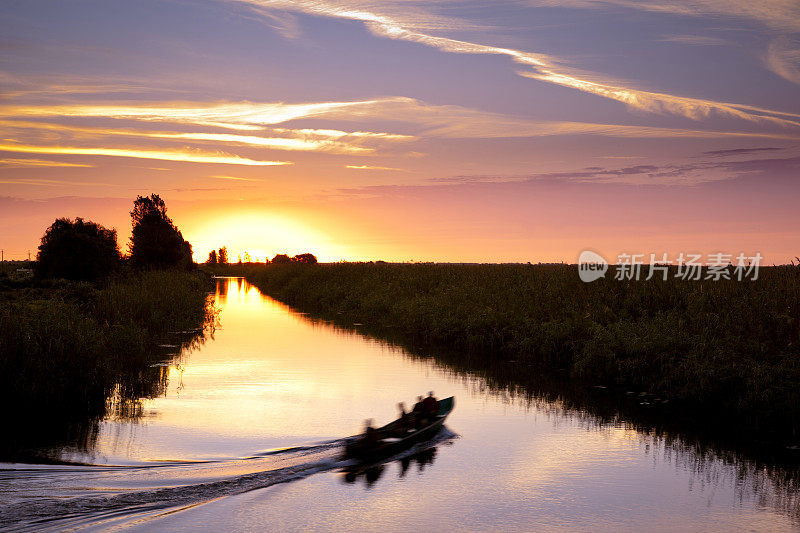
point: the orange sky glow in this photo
(424, 131)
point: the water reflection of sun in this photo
(262, 235)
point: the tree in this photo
(246, 257)
(222, 255)
(212, 257)
(156, 242)
(309, 259)
(281, 258)
(77, 250)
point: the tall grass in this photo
(727, 347)
(66, 348)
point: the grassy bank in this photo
(66, 348)
(728, 348)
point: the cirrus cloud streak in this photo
(387, 20)
(188, 156)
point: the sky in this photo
(437, 130)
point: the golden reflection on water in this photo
(271, 378)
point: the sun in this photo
(261, 235)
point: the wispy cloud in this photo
(424, 120)
(695, 40)
(278, 143)
(783, 58)
(775, 14)
(369, 167)
(38, 163)
(333, 141)
(686, 174)
(39, 182)
(235, 178)
(543, 67)
(191, 156)
(241, 115)
(740, 151)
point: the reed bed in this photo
(731, 348)
(66, 347)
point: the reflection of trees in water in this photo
(222, 291)
(370, 475)
(43, 437)
(145, 383)
(766, 474)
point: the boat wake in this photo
(59, 497)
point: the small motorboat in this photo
(396, 436)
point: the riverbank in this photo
(727, 350)
(72, 351)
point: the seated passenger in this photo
(419, 414)
(431, 405)
(418, 407)
(370, 436)
(406, 419)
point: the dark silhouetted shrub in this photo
(309, 259)
(77, 250)
(281, 258)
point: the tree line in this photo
(83, 250)
(220, 257)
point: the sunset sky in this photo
(441, 130)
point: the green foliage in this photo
(730, 346)
(65, 349)
(77, 250)
(155, 241)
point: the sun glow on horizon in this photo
(261, 235)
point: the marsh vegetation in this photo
(67, 346)
(80, 328)
(726, 350)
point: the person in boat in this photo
(431, 405)
(418, 413)
(418, 407)
(370, 436)
(406, 418)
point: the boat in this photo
(395, 437)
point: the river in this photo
(248, 435)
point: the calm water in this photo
(248, 436)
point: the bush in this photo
(77, 250)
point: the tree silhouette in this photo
(222, 255)
(212, 257)
(309, 259)
(281, 258)
(77, 250)
(156, 242)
